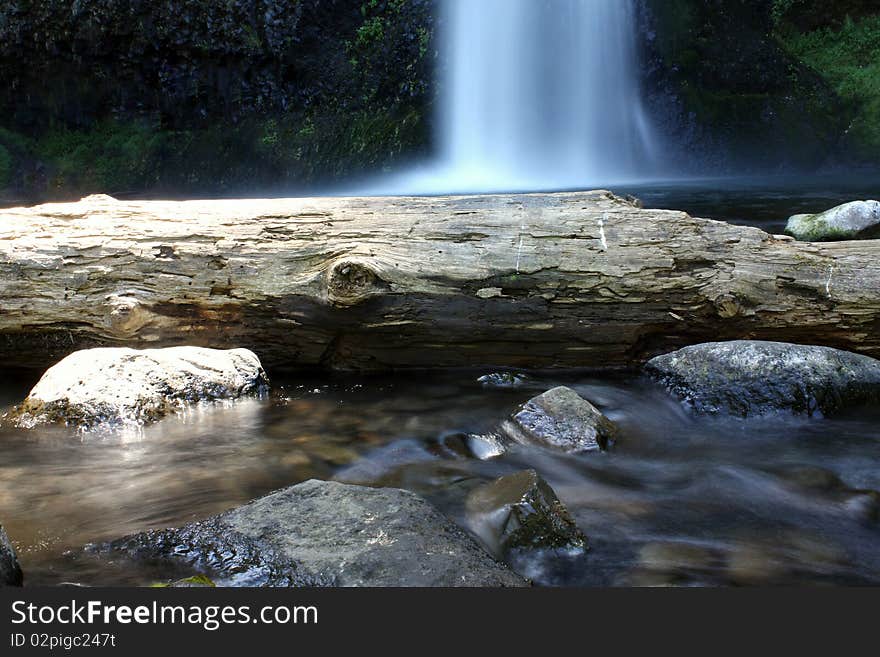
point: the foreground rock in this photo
(851, 221)
(561, 419)
(520, 513)
(328, 534)
(122, 386)
(748, 378)
(10, 571)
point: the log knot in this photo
(351, 282)
(728, 306)
(126, 315)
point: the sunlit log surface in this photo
(539, 280)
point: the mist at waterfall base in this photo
(536, 96)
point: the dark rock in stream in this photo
(328, 534)
(561, 419)
(748, 378)
(10, 570)
(521, 513)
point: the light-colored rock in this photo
(10, 571)
(850, 221)
(321, 533)
(521, 512)
(561, 419)
(126, 386)
(748, 377)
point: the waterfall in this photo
(538, 94)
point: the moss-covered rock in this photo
(851, 221)
(521, 512)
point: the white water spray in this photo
(539, 94)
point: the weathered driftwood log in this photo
(575, 279)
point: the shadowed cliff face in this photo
(730, 92)
(747, 85)
(119, 95)
(196, 97)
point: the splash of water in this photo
(539, 94)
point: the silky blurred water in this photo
(681, 500)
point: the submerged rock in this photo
(674, 563)
(127, 386)
(862, 505)
(10, 570)
(851, 221)
(561, 419)
(322, 533)
(503, 380)
(748, 378)
(521, 512)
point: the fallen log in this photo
(543, 280)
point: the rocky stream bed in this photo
(764, 474)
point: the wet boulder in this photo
(521, 513)
(321, 533)
(850, 221)
(561, 419)
(749, 378)
(112, 386)
(10, 570)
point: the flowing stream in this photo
(681, 500)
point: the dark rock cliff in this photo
(118, 95)
(263, 96)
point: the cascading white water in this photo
(537, 94)
(543, 93)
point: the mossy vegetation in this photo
(848, 57)
(196, 581)
(5, 166)
(209, 98)
(742, 99)
(199, 97)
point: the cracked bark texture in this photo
(538, 280)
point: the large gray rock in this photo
(328, 534)
(851, 221)
(521, 513)
(561, 419)
(127, 386)
(10, 571)
(747, 378)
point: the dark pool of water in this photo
(766, 202)
(681, 500)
